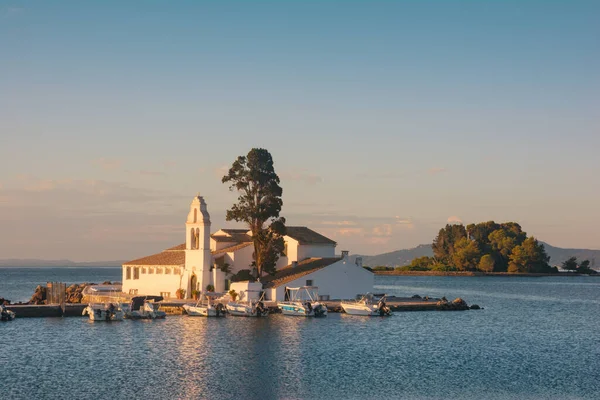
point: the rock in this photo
(416, 296)
(106, 283)
(459, 302)
(475, 307)
(39, 296)
(4, 301)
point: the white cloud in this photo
(454, 220)
(108, 164)
(436, 170)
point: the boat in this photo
(205, 308)
(249, 307)
(303, 301)
(6, 314)
(144, 307)
(369, 305)
(104, 312)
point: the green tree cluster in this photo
(258, 206)
(487, 247)
(582, 268)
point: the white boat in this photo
(205, 308)
(369, 305)
(144, 307)
(104, 312)
(303, 302)
(249, 307)
(6, 314)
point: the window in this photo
(176, 271)
(309, 282)
(166, 295)
(143, 270)
(128, 273)
(227, 283)
(168, 271)
(133, 291)
(159, 270)
(136, 273)
(150, 270)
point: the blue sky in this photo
(385, 119)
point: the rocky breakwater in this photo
(73, 293)
(457, 304)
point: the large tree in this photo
(258, 205)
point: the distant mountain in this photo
(396, 258)
(404, 257)
(14, 262)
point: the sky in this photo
(386, 119)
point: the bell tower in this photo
(197, 244)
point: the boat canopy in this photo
(138, 301)
(101, 289)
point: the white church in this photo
(206, 259)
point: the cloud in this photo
(221, 171)
(454, 220)
(150, 173)
(436, 170)
(348, 231)
(339, 223)
(108, 164)
(404, 222)
(301, 176)
(382, 230)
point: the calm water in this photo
(536, 339)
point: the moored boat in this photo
(6, 314)
(145, 307)
(368, 305)
(249, 307)
(104, 312)
(303, 302)
(205, 308)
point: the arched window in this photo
(195, 215)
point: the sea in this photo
(535, 338)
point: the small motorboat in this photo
(303, 302)
(145, 307)
(368, 305)
(104, 312)
(205, 307)
(249, 307)
(6, 314)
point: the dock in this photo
(175, 307)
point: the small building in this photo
(204, 259)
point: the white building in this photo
(206, 259)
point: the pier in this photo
(175, 307)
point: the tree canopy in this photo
(258, 206)
(488, 247)
(582, 268)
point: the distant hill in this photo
(14, 262)
(404, 257)
(396, 258)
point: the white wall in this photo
(342, 280)
(154, 284)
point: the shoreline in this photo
(476, 273)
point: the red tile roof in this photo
(305, 235)
(232, 248)
(291, 273)
(164, 258)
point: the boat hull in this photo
(202, 311)
(244, 310)
(300, 310)
(102, 314)
(368, 310)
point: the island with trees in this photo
(487, 248)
